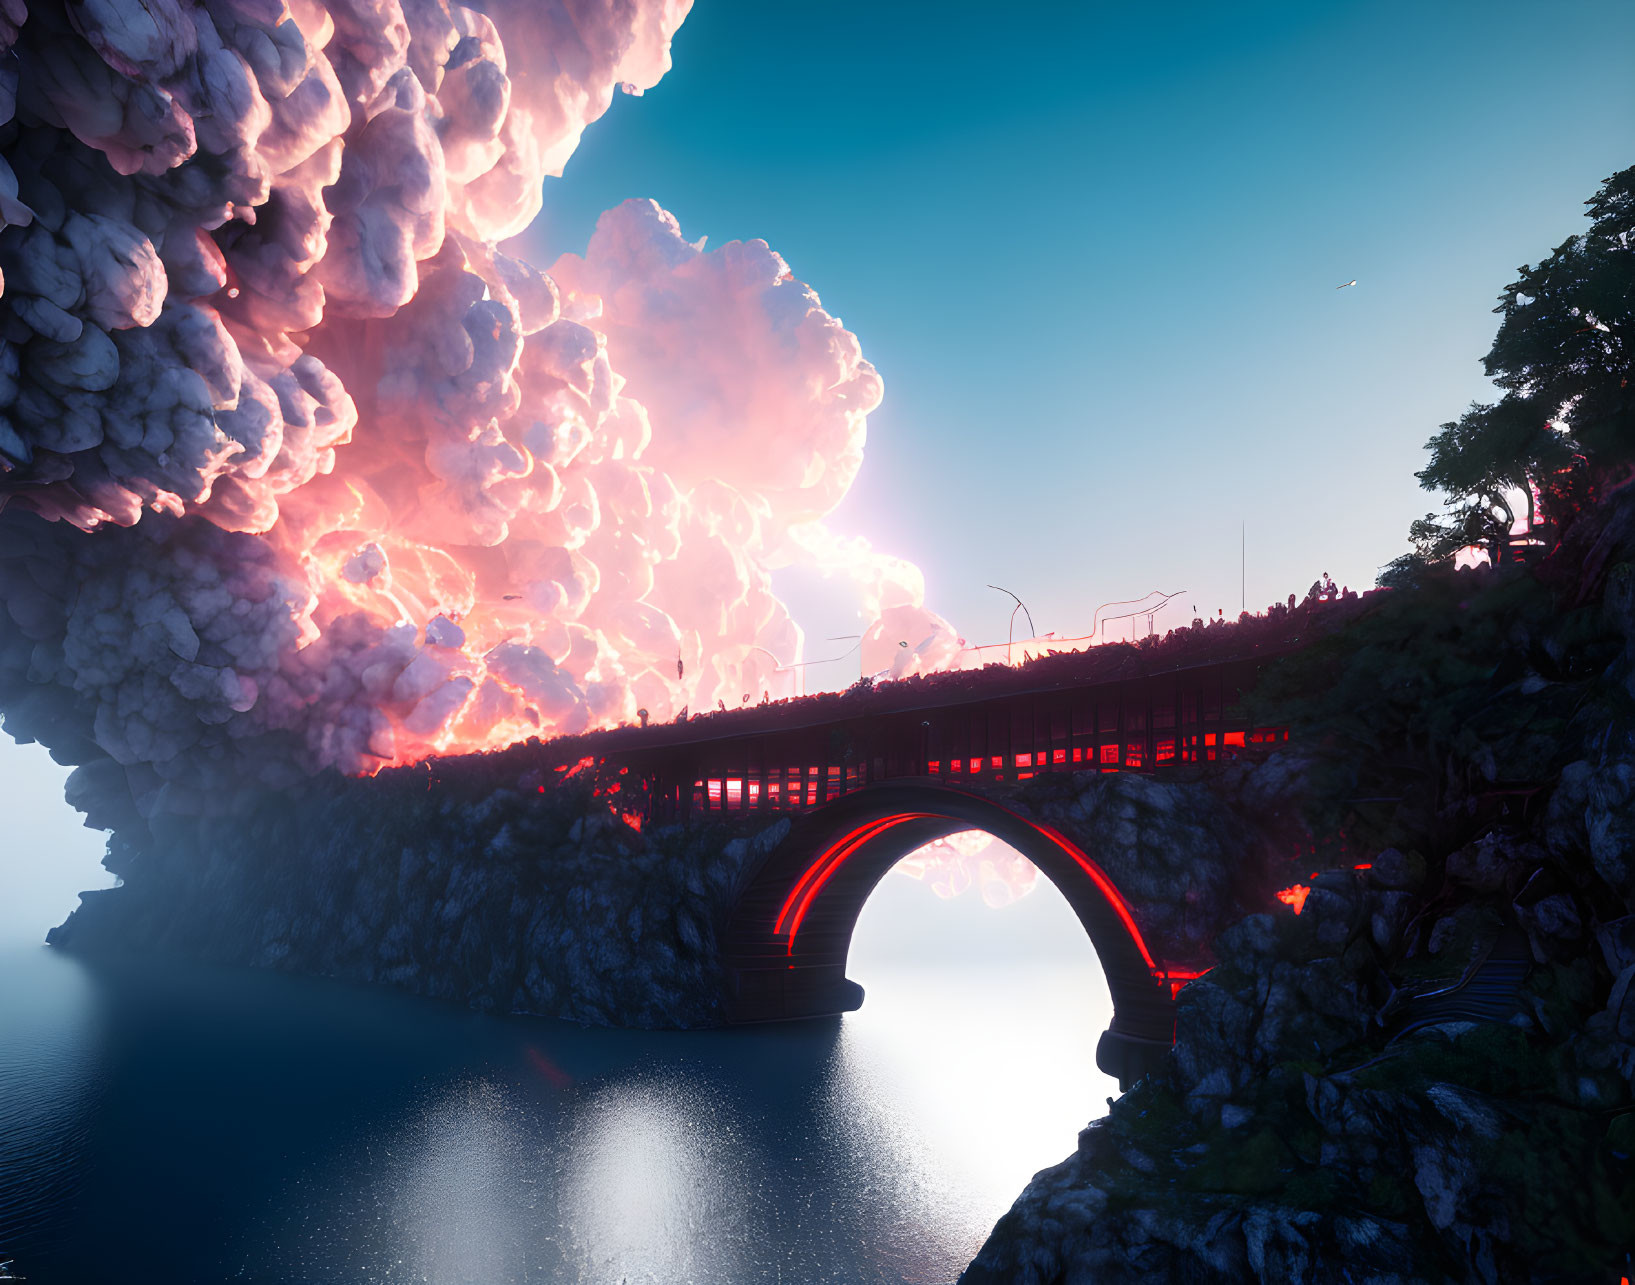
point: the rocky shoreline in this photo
(504, 899)
(1474, 745)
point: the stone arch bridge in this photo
(868, 776)
(710, 871)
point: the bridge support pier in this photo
(788, 993)
(1127, 1058)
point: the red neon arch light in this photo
(831, 859)
(1175, 978)
(847, 841)
(1099, 877)
(817, 874)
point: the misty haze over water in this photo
(169, 1122)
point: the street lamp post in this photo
(1010, 631)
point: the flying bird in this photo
(1352, 282)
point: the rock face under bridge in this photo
(513, 896)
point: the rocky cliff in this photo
(1429, 1073)
(503, 897)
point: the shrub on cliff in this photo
(1564, 431)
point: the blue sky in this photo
(1093, 254)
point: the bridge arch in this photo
(786, 940)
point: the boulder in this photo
(1397, 870)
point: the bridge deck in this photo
(1151, 708)
(1144, 724)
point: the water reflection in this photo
(656, 1188)
(51, 1068)
(242, 1126)
(462, 1187)
(974, 1080)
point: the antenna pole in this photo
(1243, 566)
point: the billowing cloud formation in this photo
(301, 470)
(190, 191)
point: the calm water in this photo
(167, 1123)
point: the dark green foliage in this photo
(1429, 705)
(1489, 460)
(1565, 427)
(1566, 334)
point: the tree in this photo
(1565, 428)
(1565, 341)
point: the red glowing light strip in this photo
(1114, 897)
(838, 861)
(1179, 977)
(850, 843)
(819, 872)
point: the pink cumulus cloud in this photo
(338, 481)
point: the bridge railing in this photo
(798, 788)
(1145, 725)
